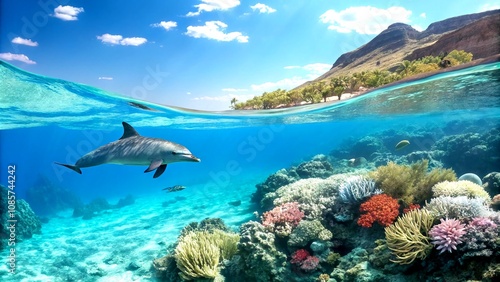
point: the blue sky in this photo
(200, 54)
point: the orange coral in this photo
(379, 208)
(411, 207)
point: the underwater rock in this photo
(235, 203)
(472, 178)
(306, 232)
(133, 266)
(470, 152)
(492, 183)
(354, 162)
(165, 269)
(260, 261)
(90, 210)
(318, 167)
(127, 201)
(207, 224)
(46, 198)
(366, 147)
(27, 222)
(495, 202)
(272, 183)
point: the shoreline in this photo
(487, 60)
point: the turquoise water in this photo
(45, 120)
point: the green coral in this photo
(407, 238)
(307, 231)
(333, 258)
(198, 253)
(410, 183)
(460, 188)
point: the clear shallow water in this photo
(43, 120)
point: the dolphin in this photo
(134, 149)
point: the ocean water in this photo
(45, 120)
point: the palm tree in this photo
(233, 103)
(405, 67)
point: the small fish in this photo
(402, 144)
(175, 188)
(356, 161)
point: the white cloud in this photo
(488, 7)
(263, 8)
(234, 90)
(188, 93)
(133, 41)
(118, 39)
(22, 41)
(417, 27)
(105, 78)
(67, 13)
(287, 83)
(215, 30)
(423, 15)
(364, 19)
(16, 57)
(166, 25)
(312, 71)
(213, 5)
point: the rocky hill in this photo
(477, 33)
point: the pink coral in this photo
(310, 263)
(283, 218)
(447, 235)
(379, 208)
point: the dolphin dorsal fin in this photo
(128, 131)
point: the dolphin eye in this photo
(174, 153)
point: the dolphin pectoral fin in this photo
(72, 167)
(159, 171)
(154, 165)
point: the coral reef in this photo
(491, 183)
(411, 183)
(260, 260)
(461, 207)
(282, 219)
(27, 222)
(447, 235)
(198, 253)
(96, 206)
(480, 238)
(308, 231)
(379, 208)
(46, 198)
(460, 188)
(408, 237)
(315, 196)
(355, 189)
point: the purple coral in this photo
(447, 235)
(480, 238)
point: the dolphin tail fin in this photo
(72, 167)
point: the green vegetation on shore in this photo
(336, 86)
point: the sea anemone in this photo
(447, 235)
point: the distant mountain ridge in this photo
(476, 33)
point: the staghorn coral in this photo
(357, 188)
(411, 183)
(308, 231)
(460, 188)
(447, 235)
(260, 260)
(407, 237)
(461, 208)
(282, 219)
(379, 208)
